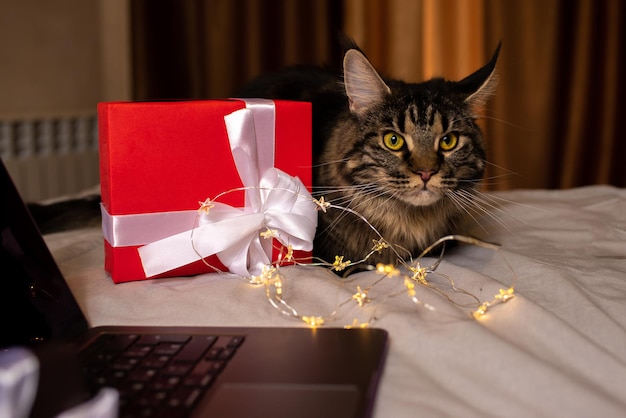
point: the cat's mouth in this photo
(423, 196)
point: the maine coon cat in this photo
(408, 157)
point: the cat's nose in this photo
(426, 174)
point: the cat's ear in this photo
(481, 85)
(364, 86)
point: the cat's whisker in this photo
(486, 199)
(464, 205)
(346, 201)
(494, 204)
(482, 206)
(485, 180)
(341, 160)
(368, 195)
(504, 122)
(347, 188)
(499, 167)
(509, 201)
(363, 195)
(382, 192)
(499, 201)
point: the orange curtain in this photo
(553, 122)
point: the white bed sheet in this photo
(558, 349)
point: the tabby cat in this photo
(408, 157)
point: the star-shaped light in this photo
(322, 204)
(313, 321)
(206, 206)
(419, 274)
(480, 311)
(289, 256)
(379, 245)
(269, 233)
(357, 324)
(360, 296)
(505, 295)
(339, 264)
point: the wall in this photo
(59, 59)
(51, 57)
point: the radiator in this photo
(51, 157)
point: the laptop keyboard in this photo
(157, 375)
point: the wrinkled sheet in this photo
(558, 349)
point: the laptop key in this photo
(214, 353)
(199, 380)
(184, 397)
(176, 369)
(155, 361)
(142, 375)
(153, 339)
(235, 341)
(131, 388)
(208, 367)
(164, 383)
(121, 342)
(137, 351)
(195, 348)
(125, 363)
(110, 378)
(226, 353)
(167, 348)
(151, 398)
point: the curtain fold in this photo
(209, 48)
(593, 51)
(519, 118)
(553, 122)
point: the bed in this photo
(556, 348)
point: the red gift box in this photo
(163, 158)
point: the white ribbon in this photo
(274, 202)
(143, 228)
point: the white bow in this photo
(275, 202)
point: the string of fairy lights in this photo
(408, 276)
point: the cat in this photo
(408, 157)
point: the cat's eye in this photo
(393, 141)
(448, 142)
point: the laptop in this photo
(173, 371)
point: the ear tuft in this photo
(364, 86)
(481, 85)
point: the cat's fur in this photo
(413, 195)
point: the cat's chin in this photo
(423, 198)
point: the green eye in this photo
(449, 141)
(393, 141)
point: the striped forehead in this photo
(414, 119)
